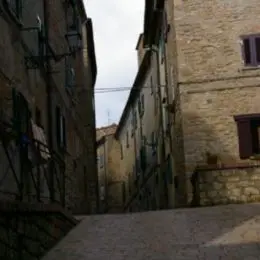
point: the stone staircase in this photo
(28, 231)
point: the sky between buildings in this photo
(117, 25)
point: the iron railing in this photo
(25, 175)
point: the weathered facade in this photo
(212, 89)
(110, 178)
(47, 112)
(140, 133)
(206, 77)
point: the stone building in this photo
(110, 178)
(207, 94)
(211, 51)
(141, 135)
(47, 77)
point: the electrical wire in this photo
(120, 89)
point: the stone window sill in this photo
(249, 68)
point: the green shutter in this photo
(64, 131)
(58, 127)
(169, 171)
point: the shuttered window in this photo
(61, 137)
(251, 50)
(248, 129)
(58, 127)
(16, 7)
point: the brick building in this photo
(47, 77)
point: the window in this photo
(41, 41)
(248, 127)
(21, 112)
(153, 143)
(60, 129)
(72, 17)
(169, 170)
(134, 120)
(139, 106)
(151, 83)
(15, 7)
(70, 78)
(38, 117)
(121, 150)
(129, 183)
(123, 192)
(127, 139)
(251, 50)
(101, 161)
(155, 103)
(142, 103)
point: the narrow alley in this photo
(229, 232)
(129, 130)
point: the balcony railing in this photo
(29, 170)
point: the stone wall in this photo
(204, 83)
(227, 185)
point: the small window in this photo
(127, 139)
(101, 161)
(123, 192)
(129, 184)
(121, 150)
(142, 103)
(16, 7)
(151, 84)
(70, 77)
(248, 127)
(135, 120)
(251, 50)
(60, 129)
(72, 17)
(38, 117)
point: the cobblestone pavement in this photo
(223, 232)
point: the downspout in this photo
(49, 100)
(105, 172)
(135, 156)
(161, 132)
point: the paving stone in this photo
(221, 232)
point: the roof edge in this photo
(133, 93)
(91, 50)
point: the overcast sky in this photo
(117, 25)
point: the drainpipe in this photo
(105, 173)
(161, 132)
(49, 97)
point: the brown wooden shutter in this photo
(245, 138)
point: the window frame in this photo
(101, 161)
(127, 139)
(151, 83)
(245, 135)
(72, 11)
(121, 151)
(61, 137)
(252, 49)
(15, 8)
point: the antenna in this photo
(108, 117)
